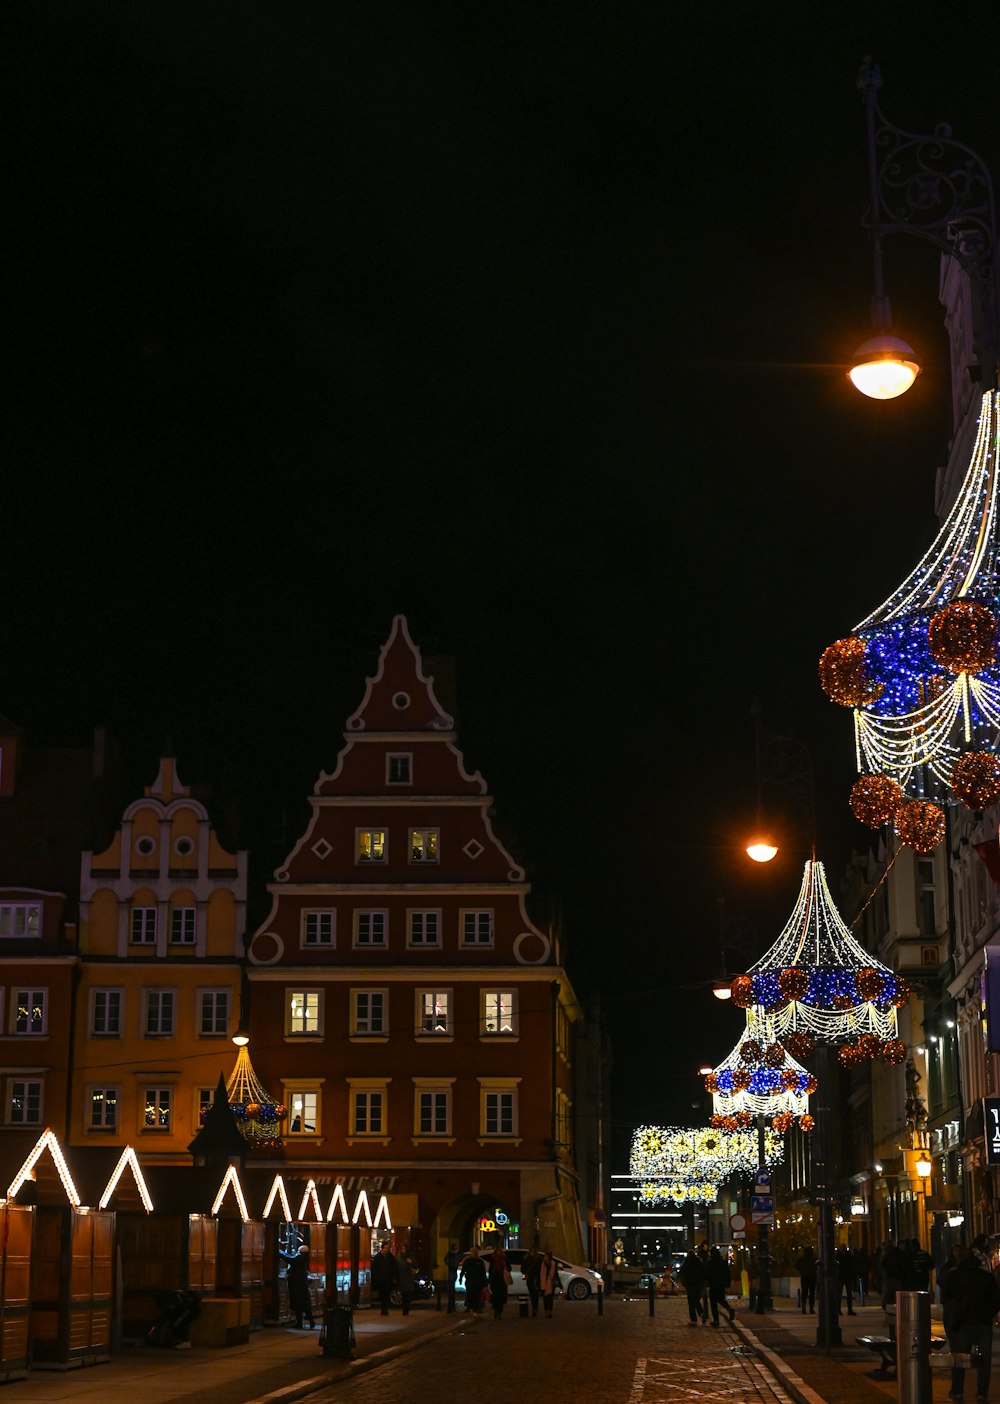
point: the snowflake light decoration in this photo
(681, 1164)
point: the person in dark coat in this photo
(473, 1274)
(297, 1278)
(406, 1266)
(806, 1268)
(923, 1266)
(894, 1269)
(970, 1300)
(385, 1277)
(862, 1267)
(452, 1261)
(531, 1265)
(692, 1274)
(719, 1278)
(845, 1276)
(499, 1273)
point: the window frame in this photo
(399, 756)
(214, 993)
(37, 999)
(305, 992)
(108, 992)
(146, 919)
(377, 839)
(413, 944)
(423, 1016)
(183, 939)
(92, 1093)
(369, 993)
(20, 1080)
(433, 833)
(476, 914)
(320, 916)
(162, 1095)
(304, 1090)
(494, 1090)
(370, 913)
(164, 999)
(28, 907)
(427, 1088)
(485, 994)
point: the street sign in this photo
(991, 1119)
(762, 1210)
(762, 1181)
(737, 1222)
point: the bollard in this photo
(652, 1297)
(600, 1301)
(913, 1347)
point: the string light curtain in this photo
(688, 1164)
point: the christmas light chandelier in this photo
(818, 983)
(258, 1116)
(759, 1077)
(921, 672)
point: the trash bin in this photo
(337, 1338)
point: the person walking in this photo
(407, 1267)
(970, 1300)
(385, 1277)
(473, 1274)
(531, 1265)
(548, 1281)
(297, 1277)
(452, 1262)
(692, 1275)
(719, 1278)
(923, 1266)
(500, 1280)
(703, 1259)
(806, 1267)
(894, 1268)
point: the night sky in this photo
(528, 322)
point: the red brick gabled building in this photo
(413, 1018)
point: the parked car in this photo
(577, 1282)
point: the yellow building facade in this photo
(162, 916)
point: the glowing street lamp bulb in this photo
(722, 990)
(884, 368)
(923, 1167)
(761, 850)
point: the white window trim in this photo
(428, 1035)
(157, 1087)
(27, 907)
(174, 1011)
(147, 940)
(96, 990)
(443, 1085)
(368, 1084)
(173, 940)
(476, 945)
(493, 1035)
(199, 995)
(488, 1085)
(360, 945)
(399, 755)
(305, 1086)
(16, 992)
(294, 1035)
(434, 945)
(424, 862)
(371, 862)
(360, 1036)
(28, 1080)
(89, 1091)
(307, 912)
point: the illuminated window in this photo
(159, 1019)
(319, 928)
(370, 928)
(214, 1013)
(399, 768)
(498, 1012)
(20, 920)
(303, 1112)
(433, 1112)
(103, 1107)
(106, 1013)
(369, 1012)
(203, 1099)
(477, 927)
(424, 845)
(143, 926)
(157, 1108)
(30, 1011)
(434, 1012)
(305, 1009)
(372, 845)
(24, 1102)
(423, 928)
(182, 926)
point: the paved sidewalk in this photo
(278, 1364)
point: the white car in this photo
(577, 1283)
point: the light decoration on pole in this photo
(759, 1078)
(818, 983)
(257, 1115)
(921, 673)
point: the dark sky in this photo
(526, 321)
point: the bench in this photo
(885, 1347)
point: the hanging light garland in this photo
(684, 1164)
(921, 672)
(815, 982)
(759, 1078)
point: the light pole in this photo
(941, 191)
(764, 1300)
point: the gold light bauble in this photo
(807, 1122)
(793, 983)
(774, 1055)
(847, 1056)
(729, 1122)
(783, 1122)
(789, 1079)
(800, 1044)
(844, 676)
(711, 1083)
(741, 1079)
(811, 1084)
(975, 779)
(894, 1051)
(920, 824)
(742, 991)
(963, 637)
(717, 1121)
(868, 981)
(743, 1120)
(253, 1109)
(750, 1051)
(869, 1045)
(902, 995)
(875, 799)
